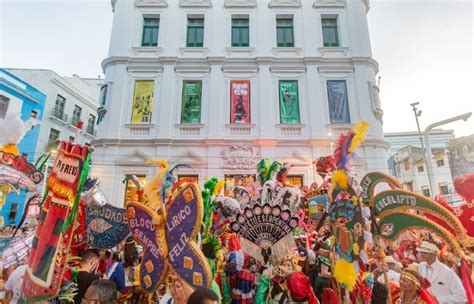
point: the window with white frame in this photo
(4, 101)
(330, 31)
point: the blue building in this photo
(17, 96)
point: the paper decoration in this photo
(17, 172)
(106, 227)
(51, 246)
(315, 204)
(143, 96)
(168, 239)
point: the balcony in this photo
(91, 131)
(59, 116)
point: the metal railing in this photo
(59, 114)
(90, 130)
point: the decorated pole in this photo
(52, 241)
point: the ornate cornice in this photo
(299, 64)
(329, 3)
(151, 3)
(240, 3)
(195, 3)
(284, 3)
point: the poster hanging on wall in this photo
(142, 107)
(338, 104)
(289, 107)
(240, 102)
(191, 103)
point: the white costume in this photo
(446, 286)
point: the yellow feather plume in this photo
(360, 130)
(345, 274)
(340, 179)
(152, 189)
(220, 185)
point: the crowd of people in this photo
(419, 273)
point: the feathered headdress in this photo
(348, 143)
(266, 170)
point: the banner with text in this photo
(191, 103)
(106, 227)
(289, 102)
(240, 102)
(142, 107)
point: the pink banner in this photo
(240, 102)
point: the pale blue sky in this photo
(424, 48)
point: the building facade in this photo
(407, 162)
(409, 166)
(461, 156)
(20, 97)
(68, 101)
(220, 84)
(439, 138)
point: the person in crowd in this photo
(379, 293)
(390, 267)
(446, 286)
(203, 296)
(413, 289)
(132, 292)
(323, 269)
(86, 275)
(105, 259)
(101, 291)
(116, 272)
(13, 284)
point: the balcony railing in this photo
(75, 120)
(59, 114)
(91, 131)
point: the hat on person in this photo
(300, 288)
(390, 260)
(428, 247)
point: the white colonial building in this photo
(68, 101)
(220, 84)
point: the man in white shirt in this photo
(446, 286)
(13, 285)
(389, 267)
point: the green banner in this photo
(393, 224)
(372, 179)
(289, 102)
(398, 200)
(191, 103)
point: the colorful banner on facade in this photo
(240, 102)
(170, 244)
(51, 247)
(106, 226)
(338, 102)
(289, 102)
(142, 107)
(191, 102)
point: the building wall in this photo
(23, 99)
(438, 139)
(214, 147)
(81, 94)
(407, 162)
